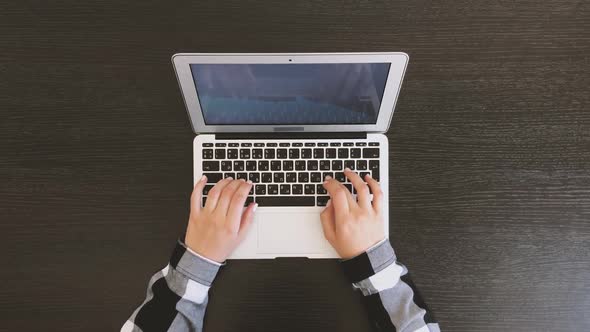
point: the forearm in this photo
(391, 299)
(176, 296)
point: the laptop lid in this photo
(299, 92)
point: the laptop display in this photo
(290, 94)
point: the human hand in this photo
(353, 226)
(216, 229)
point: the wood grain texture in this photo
(490, 160)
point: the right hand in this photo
(353, 225)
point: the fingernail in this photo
(255, 207)
(368, 176)
(347, 169)
(327, 178)
(249, 182)
(203, 178)
(229, 178)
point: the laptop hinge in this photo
(283, 135)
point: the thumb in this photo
(247, 219)
(197, 193)
(328, 224)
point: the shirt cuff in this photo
(372, 261)
(193, 265)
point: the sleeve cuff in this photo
(192, 265)
(367, 264)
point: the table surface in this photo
(489, 145)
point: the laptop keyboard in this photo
(288, 174)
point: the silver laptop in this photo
(285, 121)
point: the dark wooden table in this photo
(490, 160)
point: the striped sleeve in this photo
(391, 298)
(177, 295)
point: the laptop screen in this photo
(290, 94)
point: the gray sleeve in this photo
(176, 296)
(391, 298)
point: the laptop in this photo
(285, 121)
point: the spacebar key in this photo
(285, 200)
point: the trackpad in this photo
(291, 233)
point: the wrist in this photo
(369, 262)
(193, 265)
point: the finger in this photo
(236, 205)
(377, 193)
(226, 196)
(328, 224)
(197, 194)
(247, 220)
(362, 191)
(338, 194)
(215, 193)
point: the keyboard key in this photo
(246, 144)
(229, 175)
(336, 165)
(238, 165)
(342, 153)
(284, 144)
(374, 167)
(340, 176)
(347, 144)
(233, 145)
(260, 189)
(250, 199)
(232, 153)
(244, 153)
(323, 144)
(373, 143)
(362, 175)
(309, 144)
(331, 153)
(242, 175)
(300, 165)
(273, 189)
(334, 144)
(285, 200)
(325, 165)
(293, 153)
(258, 144)
(213, 177)
(207, 154)
(269, 153)
(322, 200)
(297, 144)
(254, 177)
(355, 153)
(361, 165)
(207, 188)
(361, 144)
(312, 165)
(309, 189)
(204, 201)
(281, 153)
(263, 165)
(209, 166)
(272, 144)
(306, 153)
(257, 153)
(279, 177)
(275, 165)
(349, 164)
(321, 190)
(207, 145)
(316, 177)
(371, 153)
(297, 189)
(349, 187)
(220, 145)
(251, 165)
(226, 165)
(285, 189)
(219, 153)
(266, 177)
(287, 165)
(291, 177)
(303, 177)
(318, 153)
(330, 174)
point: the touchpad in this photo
(289, 232)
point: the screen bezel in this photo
(182, 61)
